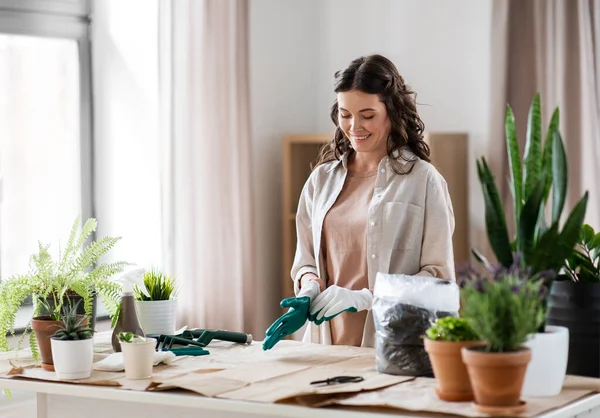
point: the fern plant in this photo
(77, 269)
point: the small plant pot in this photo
(449, 370)
(548, 367)
(138, 358)
(157, 316)
(73, 359)
(44, 328)
(497, 379)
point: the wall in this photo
(283, 77)
(442, 48)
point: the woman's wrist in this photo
(309, 277)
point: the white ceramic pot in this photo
(73, 359)
(548, 367)
(157, 316)
(138, 358)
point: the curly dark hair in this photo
(375, 74)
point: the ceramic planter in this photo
(497, 379)
(548, 367)
(73, 359)
(157, 316)
(449, 370)
(576, 306)
(44, 328)
(138, 358)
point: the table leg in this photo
(42, 405)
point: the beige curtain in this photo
(206, 173)
(550, 46)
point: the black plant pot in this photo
(576, 306)
(73, 298)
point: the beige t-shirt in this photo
(344, 247)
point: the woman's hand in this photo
(308, 277)
(336, 300)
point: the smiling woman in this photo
(373, 204)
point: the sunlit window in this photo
(40, 160)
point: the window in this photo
(45, 126)
(39, 139)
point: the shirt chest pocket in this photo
(403, 225)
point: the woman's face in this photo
(364, 120)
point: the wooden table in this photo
(65, 400)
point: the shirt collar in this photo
(407, 157)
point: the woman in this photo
(373, 203)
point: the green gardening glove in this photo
(294, 318)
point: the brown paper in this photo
(298, 384)
(284, 374)
(419, 395)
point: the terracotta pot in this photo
(449, 370)
(44, 328)
(497, 378)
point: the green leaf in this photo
(494, 215)
(559, 176)
(548, 147)
(595, 244)
(533, 148)
(587, 235)
(528, 222)
(514, 160)
(544, 257)
(571, 230)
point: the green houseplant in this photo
(542, 243)
(503, 310)
(73, 345)
(574, 303)
(75, 273)
(444, 340)
(156, 302)
(583, 265)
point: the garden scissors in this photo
(338, 380)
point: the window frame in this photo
(65, 19)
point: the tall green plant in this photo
(76, 270)
(543, 246)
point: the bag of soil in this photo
(403, 308)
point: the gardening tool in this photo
(198, 338)
(338, 380)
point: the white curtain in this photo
(206, 173)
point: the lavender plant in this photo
(503, 307)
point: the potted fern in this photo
(542, 242)
(55, 282)
(73, 345)
(444, 341)
(156, 303)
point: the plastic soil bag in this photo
(403, 308)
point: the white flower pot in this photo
(157, 316)
(73, 359)
(548, 367)
(138, 358)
